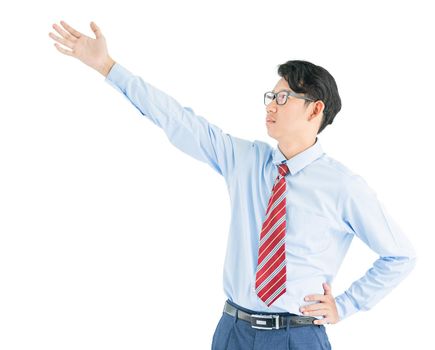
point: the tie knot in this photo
(283, 169)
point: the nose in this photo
(271, 106)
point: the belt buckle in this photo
(264, 321)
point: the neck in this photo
(290, 149)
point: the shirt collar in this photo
(300, 160)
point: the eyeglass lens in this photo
(281, 98)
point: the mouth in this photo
(269, 120)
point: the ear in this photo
(317, 108)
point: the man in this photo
(295, 210)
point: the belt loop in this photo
(288, 323)
(236, 316)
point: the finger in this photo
(64, 34)
(318, 312)
(70, 29)
(316, 306)
(325, 320)
(96, 30)
(61, 40)
(61, 49)
(327, 288)
(312, 297)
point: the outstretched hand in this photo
(326, 308)
(92, 52)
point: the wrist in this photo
(106, 66)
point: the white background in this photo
(111, 238)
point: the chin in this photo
(271, 135)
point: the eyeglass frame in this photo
(289, 93)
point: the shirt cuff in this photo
(345, 306)
(118, 77)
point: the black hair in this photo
(316, 82)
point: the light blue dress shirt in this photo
(327, 206)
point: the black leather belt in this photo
(264, 321)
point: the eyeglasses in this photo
(281, 96)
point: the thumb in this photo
(327, 289)
(96, 30)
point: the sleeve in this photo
(366, 217)
(189, 132)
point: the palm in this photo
(90, 51)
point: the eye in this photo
(281, 96)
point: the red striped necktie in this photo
(271, 270)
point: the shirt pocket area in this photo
(307, 233)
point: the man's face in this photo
(291, 120)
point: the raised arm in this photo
(189, 132)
